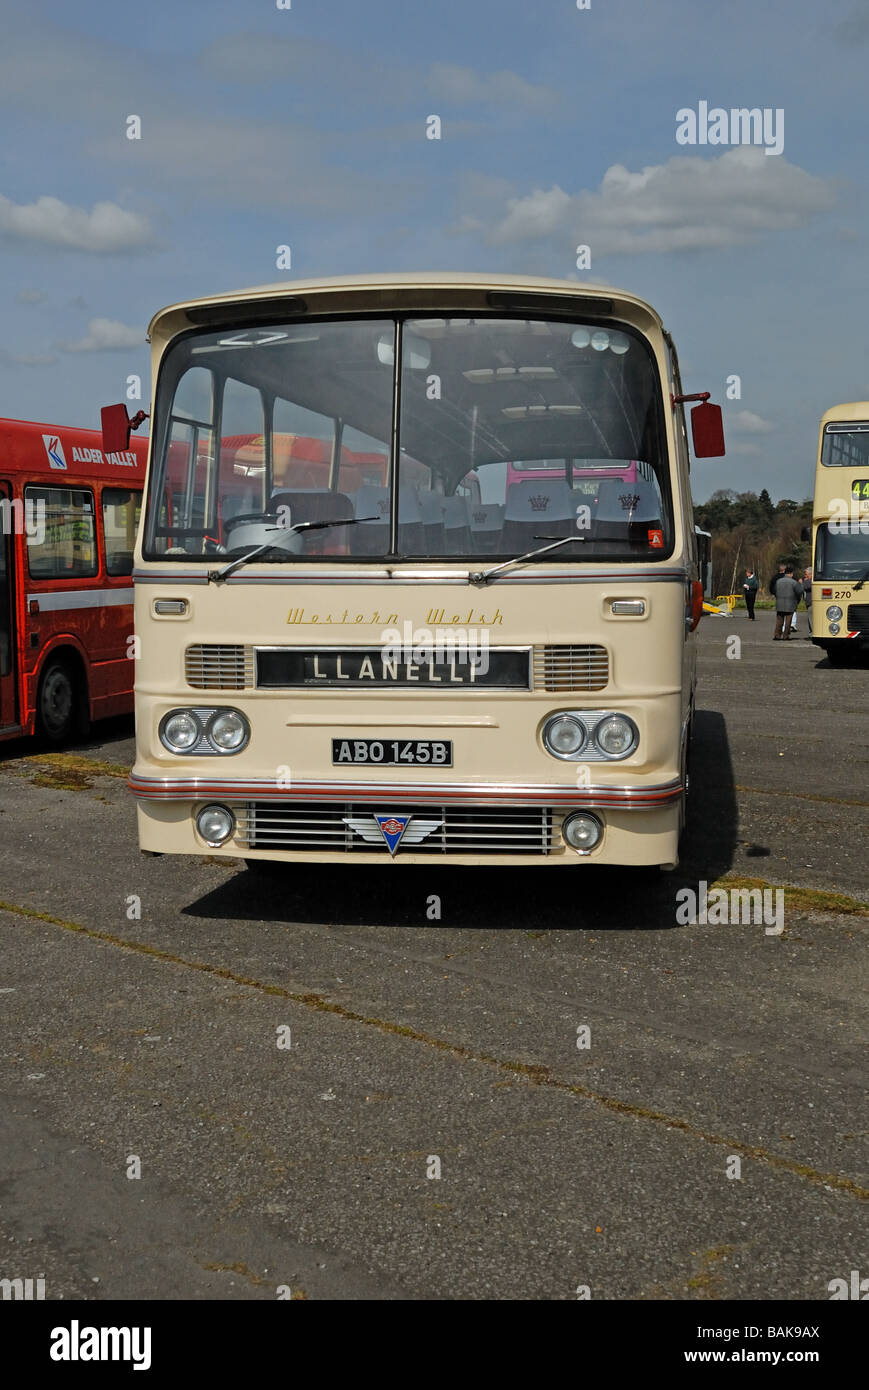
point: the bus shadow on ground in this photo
(103, 734)
(491, 898)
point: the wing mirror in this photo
(707, 426)
(116, 427)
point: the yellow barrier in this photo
(729, 599)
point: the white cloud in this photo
(504, 89)
(107, 335)
(106, 228)
(688, 204)
(27, 359)
(746, 422)
(266, 58)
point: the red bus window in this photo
(65, 547)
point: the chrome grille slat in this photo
(584, 667)
(213, 666)
(295, 826)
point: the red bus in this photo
(68, 518)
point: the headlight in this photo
(564, 736)
(204, 731)
(228, 730)
(215, 824)
(834, 628)
(834, 612)
(581, 830)
(616, 736)
(180, 731)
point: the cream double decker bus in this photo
(840, 540)
(417, 575)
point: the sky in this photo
(306, 126)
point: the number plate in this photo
(392, 752)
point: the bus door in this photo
(7, 611)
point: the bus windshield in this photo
(842, 550)
(507, 432)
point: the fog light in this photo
(564, 736)
(834, 612)
(215, 824)
(616, 736)
(834, 628)
(180, 730)
(581, 830)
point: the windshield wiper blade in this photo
(483, 576)
(862, 580)
(217, 576)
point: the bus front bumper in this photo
(309, 822)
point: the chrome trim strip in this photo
(395, 793)
(426, 577)
(63, 600)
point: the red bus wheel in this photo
(56, 707)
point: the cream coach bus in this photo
(417, 575)
(840, 598)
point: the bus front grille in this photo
(352, 828)
(571, 668)
(858, 617)
(209, 666)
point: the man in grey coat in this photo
(788, 594)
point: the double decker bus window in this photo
(68, 550)
(846, 445)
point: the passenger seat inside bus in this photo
(624, 512)
(457, 526)
(487, 524)
(537, 507)
(316, 504)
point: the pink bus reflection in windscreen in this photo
(593, 470)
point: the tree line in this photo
(750, 531)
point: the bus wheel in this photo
(56, 706)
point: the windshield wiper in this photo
(483, 576)
(216, 576)
(862, 580)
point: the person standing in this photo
(788, 594)
(775, 579)
(807, 598)
(750, 588)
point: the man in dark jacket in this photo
(788, 594)
(775, 579)
(750, 588)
